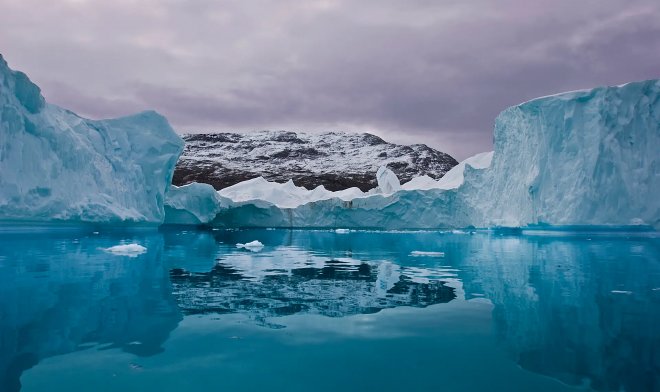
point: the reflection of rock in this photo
(59, 296)
(337, 288)
(556, 311)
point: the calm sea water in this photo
(323, 311)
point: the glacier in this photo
(58, 166)
(584, 158)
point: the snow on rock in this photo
(253, 246)
(336, 160)
(388, 183)
(191, 204)
(130, 250)
(57, 166)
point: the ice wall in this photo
(589, 157)
(57, 166)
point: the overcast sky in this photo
(412, 71)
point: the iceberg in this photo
(388, 182)
(283, 195)
(584, 158)
(58, 166)
(252, 246)
(130, 250)
(454, 177)
(192, 204)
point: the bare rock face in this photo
(336, 160)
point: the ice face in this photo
(191, 204)
(581, 158)
(57, 166)
(388, 183)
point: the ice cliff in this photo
(588, 157)
(57, 166)
(584, 158)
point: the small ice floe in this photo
(342, 231)
(428, 254)
(254, 246)
(135, 343)
(621, 292)
(130, 250)
(656, 289)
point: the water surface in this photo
(326, 311)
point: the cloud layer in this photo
(435, 72)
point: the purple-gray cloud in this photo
(420, 71)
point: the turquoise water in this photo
(323, 311)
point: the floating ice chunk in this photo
(621, 292)
(254, 246)
(429, 254)
(342, 231)
(130, 250)
(388, 182)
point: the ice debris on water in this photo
(429, 254)
(254, 246)
(130, 250)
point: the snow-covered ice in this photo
(130, 250)
(286, 195)
(453, 178)
(57, 166)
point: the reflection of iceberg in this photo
(556, 312)
(289, 280)
(554, 309)
(58, 295)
